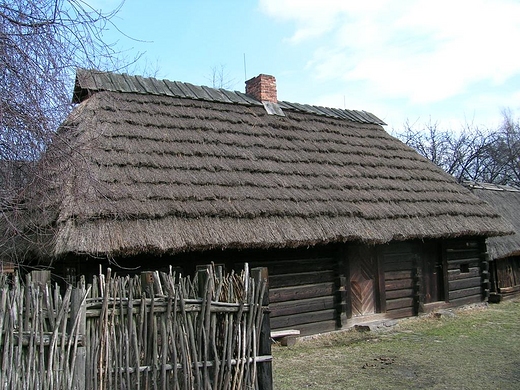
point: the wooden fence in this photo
(151, 331)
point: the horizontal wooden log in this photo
(455, 274)
(301, 306)
(396, 255)
(460, 284)
(398, 284)
(400, 303)
(44, 339)
(400, 313)
(209, 363)
(298, 279)
(398, 266)
(305, 318)
(286, 337)
(461, 244)
(403, 293)
(467, 292)
(317, 327)
(509, 290)
(301, 292)
(161, 307)
(396, 275)
(282, 267)
(455, 302)
(285, 332)
(473, 261)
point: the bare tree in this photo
(491, 156)
(505, 151)
(459, 154)
(220, 78)
(42, 42)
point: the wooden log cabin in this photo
(352, 224)
(504, 252)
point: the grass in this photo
(478, 348)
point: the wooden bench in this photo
(287, 337)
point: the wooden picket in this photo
(151, 331)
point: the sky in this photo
(455, 62)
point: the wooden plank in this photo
(462, 254)
(298, 279)
(401, 266)
(465, 300)
(362, 297)
(455, 274)
(402, 293)
(457, 245)
(296, 320)
(281, 267)
(460, 284)
(400, 303)
(467, 292)
(302, 306)
(396, 275)
(317, 327)
(286, 332)
(509, 290)
(363, 281)
(398, 284)
(400, 313)
(301, 292)
(399, 248)
(472, 262)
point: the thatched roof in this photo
(506, 200)
(149, 165)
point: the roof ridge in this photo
(90, 81)
(478, 185)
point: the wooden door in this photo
(433, 274)
(363, 291)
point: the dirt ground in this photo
(471, 348)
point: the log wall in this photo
(399, 280)
(464, 271)
(507, 273)
(303, 293)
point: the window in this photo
(464, 268)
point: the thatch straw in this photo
(134, 172)
(506, 201)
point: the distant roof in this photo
(506, 200)
(138, 169)
(91, 81)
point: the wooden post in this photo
(147, 283)
(381, 288)
(205, 287)
(484, 267)
(418, 296)
(78, 310)
(202, 272)
(342, 290)
(265, 369)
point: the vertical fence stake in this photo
(78, 308)
(265, 369)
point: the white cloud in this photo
(423, 51)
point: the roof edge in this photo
(89, 82)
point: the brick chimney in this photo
(263, 88)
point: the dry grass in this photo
(478, 348)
